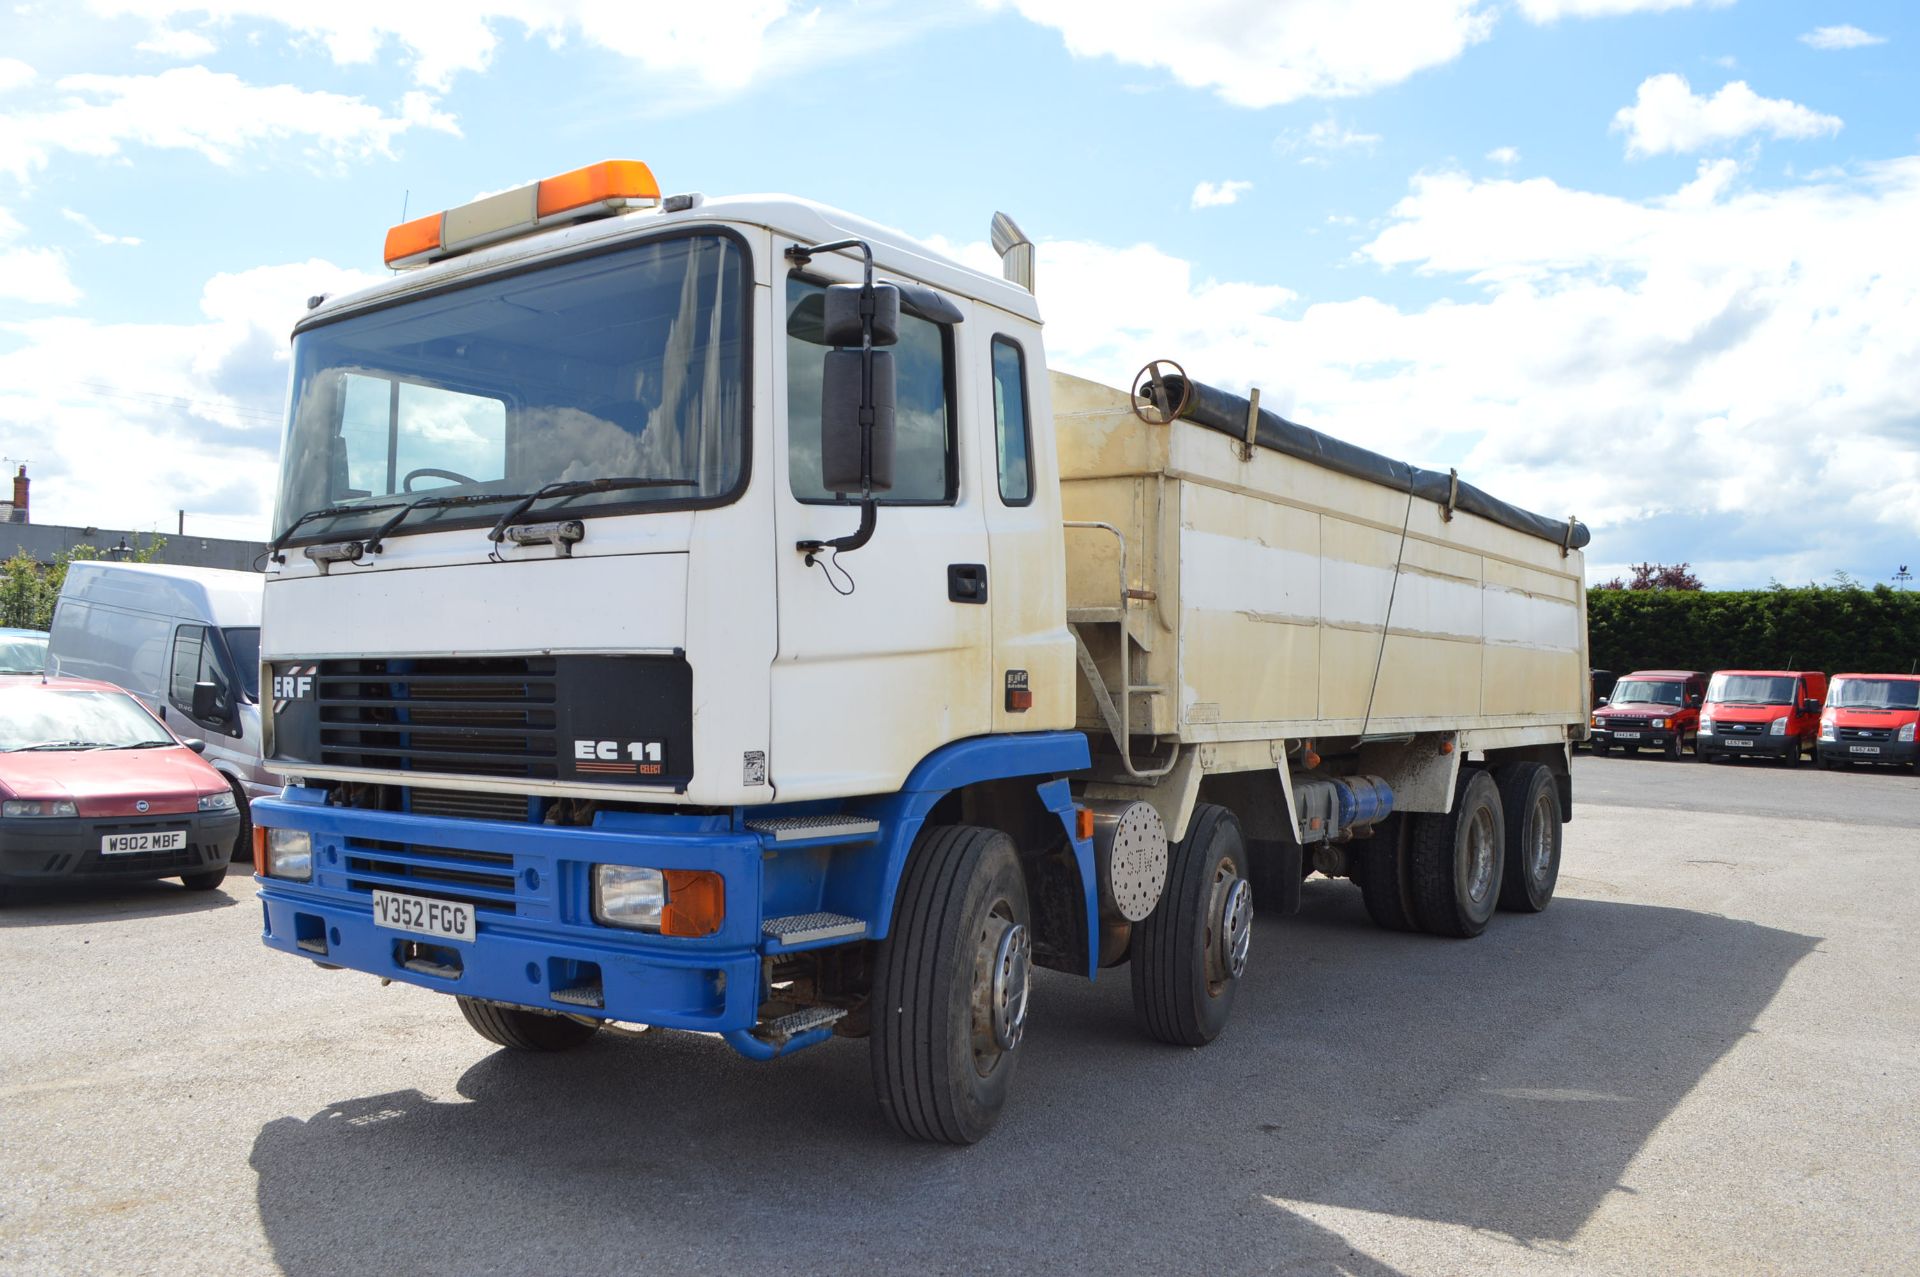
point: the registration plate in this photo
(447, 919)
(1627, 735)
(1740, 744)
(1863, 749)
(131, 844)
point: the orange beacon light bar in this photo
(611, 186)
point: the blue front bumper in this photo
(531, 885)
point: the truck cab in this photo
(1650, 709)
(1761, 714)
(1871, 719)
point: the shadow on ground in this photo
(1501, 1084)
(77, 902)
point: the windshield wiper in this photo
(140, 744)
(434, 503)
(280, 542)
(578, 488)
(54, 744)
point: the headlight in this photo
(1779, 727)
(1826, 727)
(55, 806)
(289, 854)
(1906, 733)
(1706, 724)
(222, 801)
(1658, 722)
(673, 902)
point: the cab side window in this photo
(196, 659)
(1011, 440)
(924, 461)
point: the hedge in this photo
(1830, 628)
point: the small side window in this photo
(1011, 435)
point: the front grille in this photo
(483, 879)
(1741, 729)
(468, 806)
(492, 716)
(1866, 733)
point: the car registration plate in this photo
(132, 844)
(447, 919)
(1741, 744)
(1627, 735)
(1863, 749)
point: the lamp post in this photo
(122, 551)
(1901, 577)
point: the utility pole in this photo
(1901, 577)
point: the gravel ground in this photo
(1701, 1059)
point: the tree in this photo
(1657, 576)
(29, 591)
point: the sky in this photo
(1653, 263)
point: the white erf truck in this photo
(710, 614)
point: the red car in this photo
(1871, 718)
(1761, 714)
(94, 788)
(1657, 709)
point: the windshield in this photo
(1875, 693)
(56, 719)
(630, 363)
(1750, 689)
(243, 644)
(22, 654)
(1646, 691)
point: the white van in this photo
(161, 632)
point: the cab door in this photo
(884, 652)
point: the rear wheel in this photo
(1381, 874)
(1530, 806)
(950, 997)
(1456, 860)
(521, 1029)
(1189, 954)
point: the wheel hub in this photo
(1480, 854)
(1229, 928)
(1540, 851)
(1007, 998)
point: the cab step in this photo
(788, 1027)
(809, 928)
(814, 829)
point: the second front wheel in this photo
(1189, 954)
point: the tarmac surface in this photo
(1703, 1058)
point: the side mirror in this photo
(206, 703)
(194, 743)
(1598, 701)
(858, 388)
(1693, 700)
(1809, 706)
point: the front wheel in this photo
(207, 881)
(1458, 859)
(1189, 954)
(950, 996)
(521, 1029)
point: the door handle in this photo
(967, 582)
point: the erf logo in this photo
(621, 757)
(292, 687)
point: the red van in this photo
(1657, 708)
(1761, 714)
(1871, 718)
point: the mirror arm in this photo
(846, 544)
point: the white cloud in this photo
(1842, 37)
(86, 224)
(172, 43)
(1265, 53)
(712, 47)
(14, 74)
(1323, 137)
(214, 114)
(37, 276)
(1505, 156)
(1668, 116)
(1554, 10)
(1729, 369)
(127, 423)
(1215, 194)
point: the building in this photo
(43, 542)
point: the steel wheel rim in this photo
(1228, 935)
(1480, 854)
(1002, 971)
(1540, 846)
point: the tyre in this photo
(520, 1029)
(1189, 954)
(1530, 806)
(207, 881)
(1676, 747)
(1601, 748)
(243, 840)
(950, 992)
(1710, 758)
(1456, 861)
(1381, 874)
